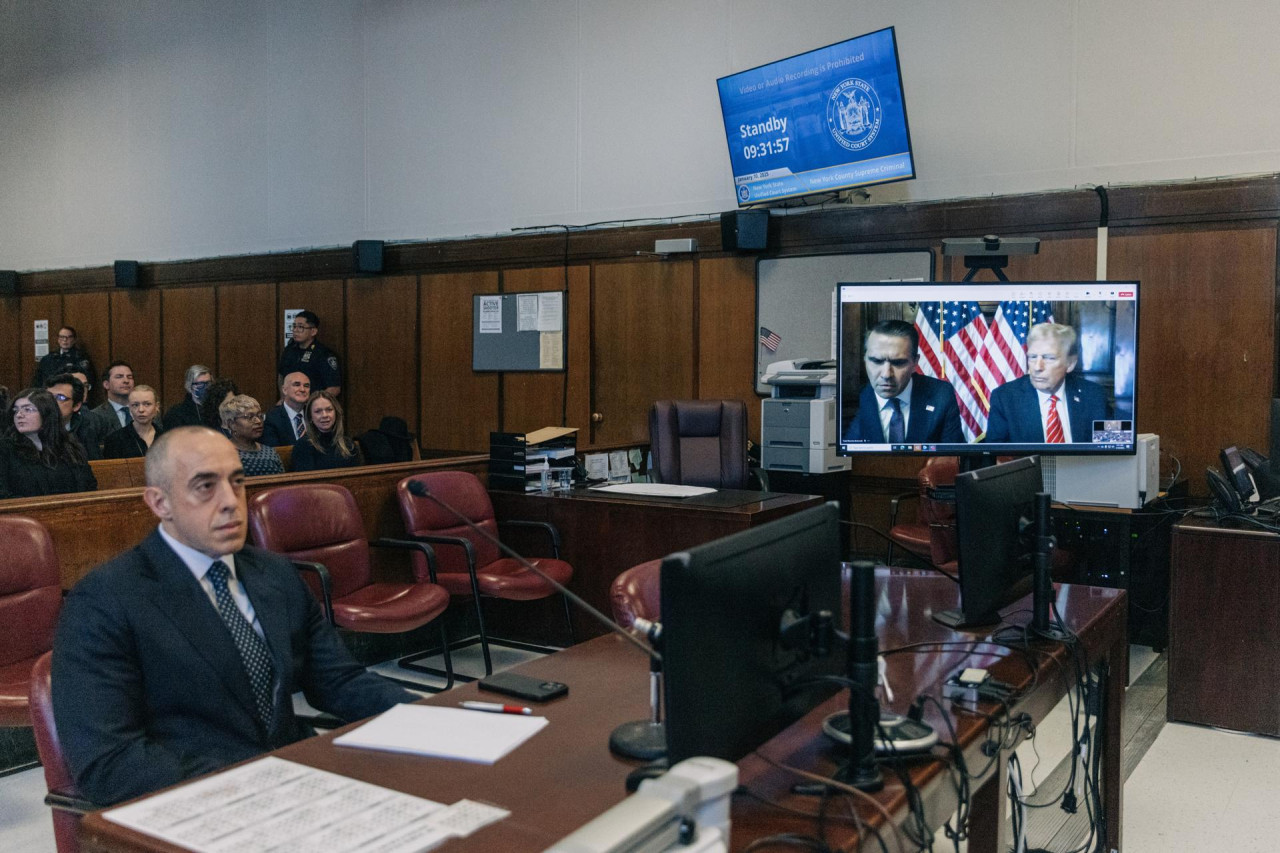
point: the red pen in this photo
(497, 708)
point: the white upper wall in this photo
(167, 129)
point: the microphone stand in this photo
(419, 489)
(645, 739)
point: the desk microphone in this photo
(419, 489)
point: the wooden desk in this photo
(603, 535)
(1224, 664)
(565, 775)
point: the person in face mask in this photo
(187, 413)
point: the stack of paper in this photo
(444, 733)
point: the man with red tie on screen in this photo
(1050, 404)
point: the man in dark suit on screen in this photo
(1050, 404)
(181, 655)
(898, 405)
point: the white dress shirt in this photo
(199, 565)
(1063, 415)
(886, 410)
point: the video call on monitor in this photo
(1007, 368)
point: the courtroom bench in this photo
(89, 528)
(124, 473)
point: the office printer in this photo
(799, 430)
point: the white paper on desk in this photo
(655, 490)
(454, 733)
(273, 804)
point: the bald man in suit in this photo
(181, 655)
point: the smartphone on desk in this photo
(523, 686)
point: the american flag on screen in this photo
(951, 335)
(769, 340)
(1004, 348)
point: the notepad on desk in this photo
(444, 733)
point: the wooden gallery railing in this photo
(90, 528)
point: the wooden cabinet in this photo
(1224, 618)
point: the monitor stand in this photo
(895, 735)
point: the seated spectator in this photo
(242, 421)
(187, 413)
(117, 381)
(326, 444)
(284, 425)
(67, 357)
(89, 429)
(214, 396)
(134, 440)
(37, 456)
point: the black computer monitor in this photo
(995, 508)
(740, 620)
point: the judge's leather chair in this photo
(30, 600)
(318, 526)
(934, 518)
(64, 797)
(637, 594)
(468, 564)
(700, 443)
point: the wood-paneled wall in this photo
(642, 328)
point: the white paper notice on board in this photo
(551, 311)
(527, 312)
(490, 315)
(290, 314)
(551, 351)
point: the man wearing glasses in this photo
(187, 413)
(67, 358)
(88, 428)
(307, 355)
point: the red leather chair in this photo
(637, 594)
(30, 599)
(916, 537)
(64, 797)
(469, 564)
(318, 526)
(700, 443)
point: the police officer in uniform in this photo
(69, 357)
(305, 354)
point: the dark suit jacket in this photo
(148, 688)
(186, 413)
(934, 415)
(1015, 410)
(277, 430)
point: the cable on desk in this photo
(899, 836)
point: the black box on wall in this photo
(744, 230)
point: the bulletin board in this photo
(519, 331)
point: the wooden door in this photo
(642, 345)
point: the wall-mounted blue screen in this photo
(823, 121)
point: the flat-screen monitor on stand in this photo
(995, 508)
(748, 625)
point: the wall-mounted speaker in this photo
(126, 273)
(744, 230)
(8, 283)
(367, 255)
